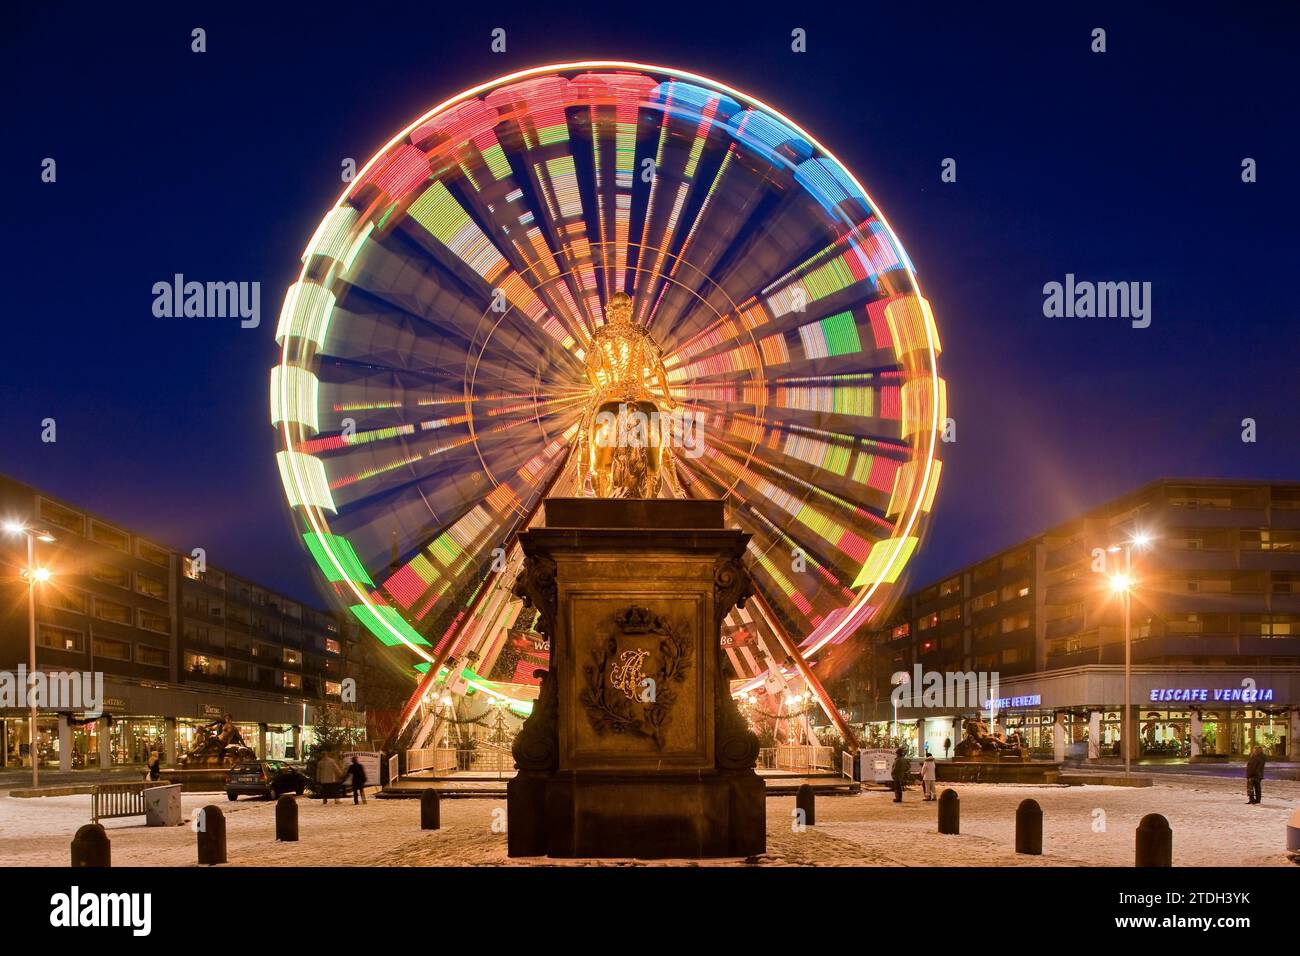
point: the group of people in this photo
(903, 769)
(331, 775)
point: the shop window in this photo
(110, 574)
(59, 639)
(111, 650)
(112, 611)
(101, 533)
(158, 623)
(152, 656)
(65, 518)
(151, 586)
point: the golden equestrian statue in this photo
(625, 451)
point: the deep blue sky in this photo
(1122, 166)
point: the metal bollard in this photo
(430, 811)
(1029, 828)
(286, 819)
(212, 836)
(949, 812)
(805, 800)
(91, 846)
(1155, 842)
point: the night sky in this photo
(1117, 166)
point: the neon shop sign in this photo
(1219, 694)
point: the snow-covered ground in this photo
(1091, 826)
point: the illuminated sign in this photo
(1002, 703)
(1221, 694)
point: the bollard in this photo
(91, 846)
(212, 836)
(430, 811)
(1155, 842)
(1293, 832)
(286, 819)
(805, 800)
(1029, 828)
(949, 812)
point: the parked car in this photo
(264, 778)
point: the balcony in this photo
(1063, 626)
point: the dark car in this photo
(264, 778)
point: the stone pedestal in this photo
(635, 747)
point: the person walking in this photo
(1255, 775)
(928, 777)
(902, 767)
(155, 765)
(328, 775)
(947, 746)
(357, 774)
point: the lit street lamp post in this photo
(1123, 585)
(33, 576)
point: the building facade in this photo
(180, 644)
(1214, 630)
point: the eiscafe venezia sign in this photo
(1207, 694)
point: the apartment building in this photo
(1213, 624)
(180, 643)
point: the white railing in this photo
(806, 757)
(394, 769)
(439, 760)
(797, 758)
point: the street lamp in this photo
(1123, 585)
(33, 576)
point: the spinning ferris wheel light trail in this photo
(436, 378)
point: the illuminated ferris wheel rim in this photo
(830, 629)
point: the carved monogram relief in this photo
(632, 691)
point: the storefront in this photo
(1176, 713)
(141, 719)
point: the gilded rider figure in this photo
(626, 449)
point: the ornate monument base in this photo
(635, 747)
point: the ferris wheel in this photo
(432, 377)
